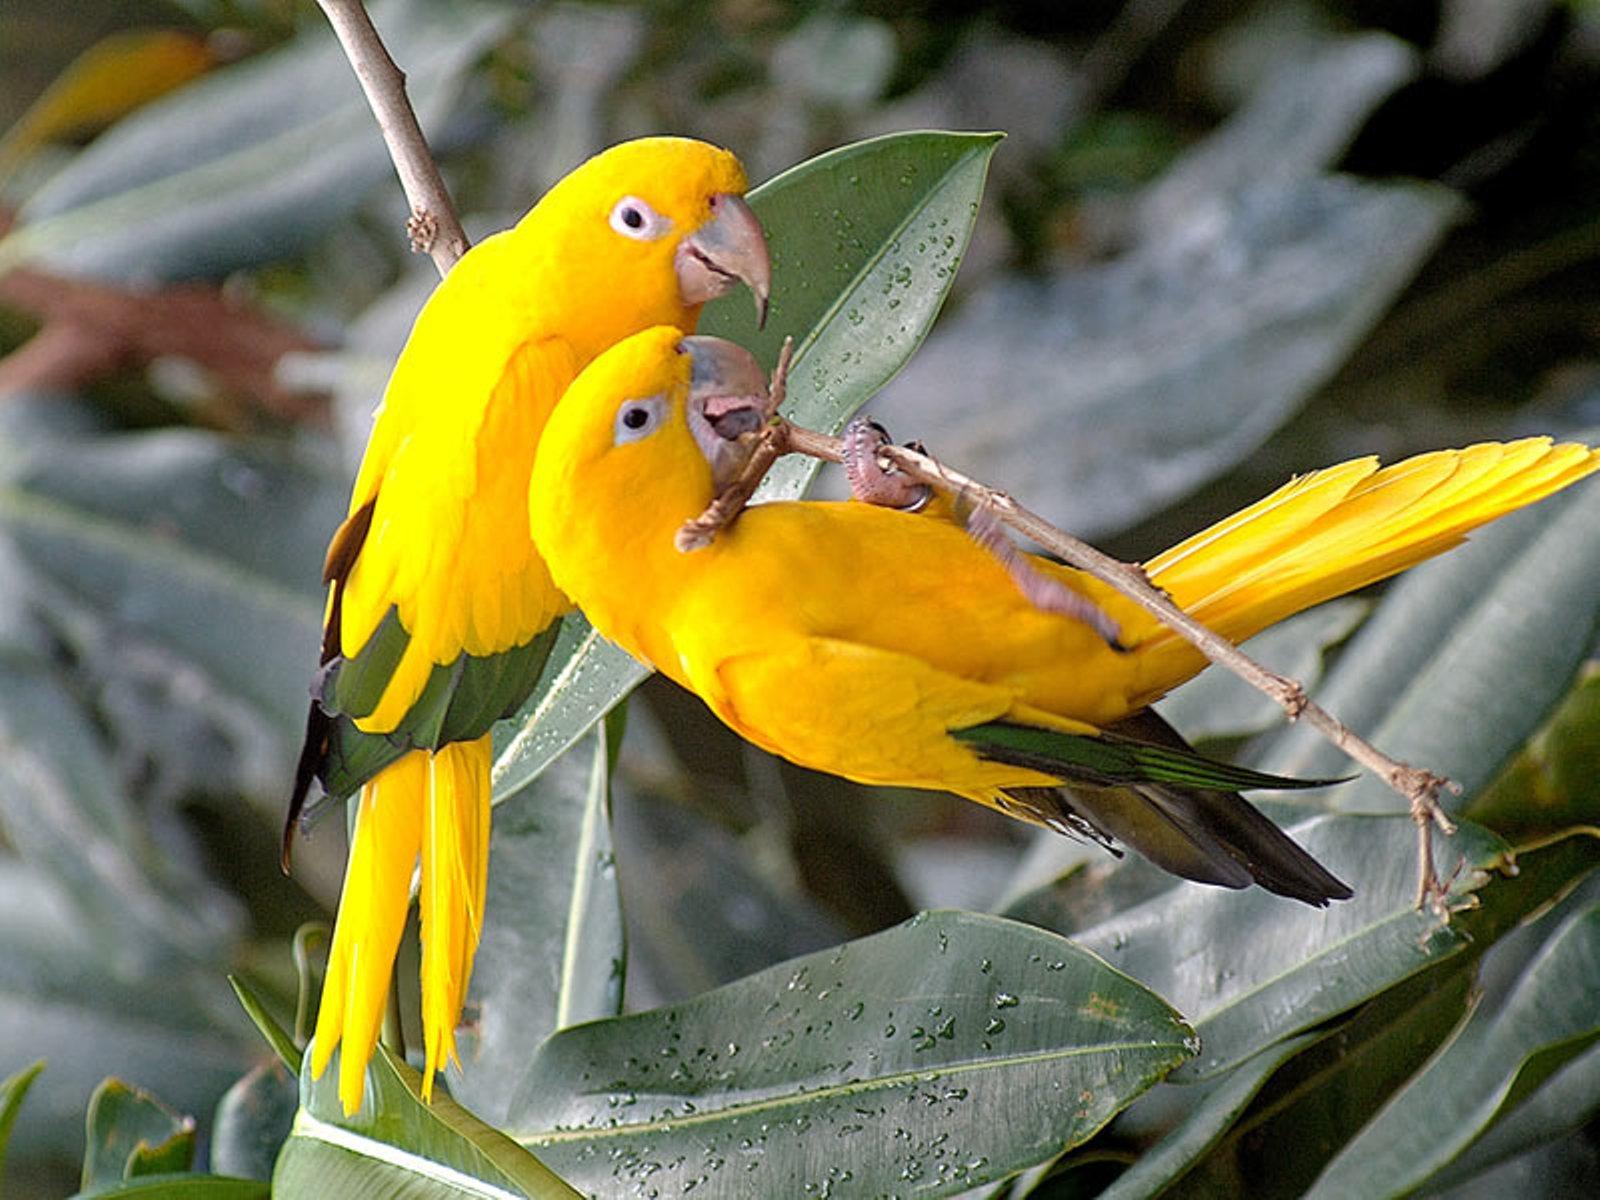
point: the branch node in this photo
(422, 228)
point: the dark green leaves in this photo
(896, 1052)
(399, 1146)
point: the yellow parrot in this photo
(895, 649)
(440, 612)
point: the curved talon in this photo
(1040, 590)
(870, 481)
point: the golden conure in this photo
(440, 612)
(894, 649)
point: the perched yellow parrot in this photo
(440, 612)
(895, 649)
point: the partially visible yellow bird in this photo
(894, 649)
(440, 612)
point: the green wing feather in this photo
(1111, 759)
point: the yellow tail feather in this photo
(455, 873)
(372, 915)
(1335, 530)
(435, 805)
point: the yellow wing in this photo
(448, 545)
(868, 714)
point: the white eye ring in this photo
(633, 218)
(638, 419)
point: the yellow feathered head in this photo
(652, 228)
(642, 441)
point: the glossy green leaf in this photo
(1319, 1097)
(1159, 1167)
(552, 952)
(250, 164)
(399, 1145)
(865, 243)
(866, 240)
(13, 1090)
(252, 1121)
(895, 1052)
(1249, 968)
(279, 1038)
(132, 1133)
(1219, 704)
(1552, 783)
(1488, 1069)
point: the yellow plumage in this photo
(438, 595)
(859, 640)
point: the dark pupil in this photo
(633, 218)
(635, 418)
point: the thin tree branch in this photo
(433, 226)
(1420, 788)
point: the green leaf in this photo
(1218, 704)
(279, 1038)
(169, 1024)
(398, 1145)
(252, 1121)
(866, 240)
(131, 1133)
(552, 952)
(1552, 783)
(1172, 1157)
(1317, 1098)
(250, 164)
(1494, 1063)
(584, 677)
(13, 1090)
(180, 1187)
(1250, 968)
(895, 1052)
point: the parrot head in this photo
(644, 439)
(650, 230)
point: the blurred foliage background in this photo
(1222, 243)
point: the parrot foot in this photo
(1041, 591)
(1422, 788)
(873, 481)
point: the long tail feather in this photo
(372, 915)
(1342, 528)
(455, 866)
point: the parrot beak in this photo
(728, 403)
(728, 249)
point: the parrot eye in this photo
(638, 419)
(633, 218)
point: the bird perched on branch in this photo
(896, 649)
(440, 611)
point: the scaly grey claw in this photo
(870, 481)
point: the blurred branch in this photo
(90, 329)
(433, 226)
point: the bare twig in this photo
(1419, 787)
(433, 227)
